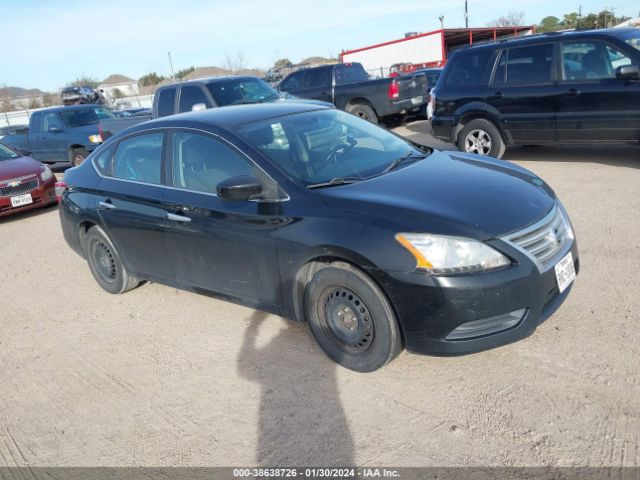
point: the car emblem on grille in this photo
(13, 184)
(413, 84)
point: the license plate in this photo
(21, 200)
(565, 272)
(416, 100)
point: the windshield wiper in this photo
(399, 161)
(336, 181)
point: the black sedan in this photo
(319, 216)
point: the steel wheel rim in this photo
(478, 141)
(346, 320)
(104, 262)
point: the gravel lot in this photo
(168, 378)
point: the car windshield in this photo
(633, 39)
(237, 91)
(329, 147)
(7, 154)
(85, 116)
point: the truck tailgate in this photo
(412, 87)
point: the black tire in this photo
(363, 111)
(482, 137)
(105, 263)
(351, 318)
(78, 155)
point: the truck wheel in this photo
(481, 136)
(78, 155)
(105, 263)
(351, 318)
(363, 111)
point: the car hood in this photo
(450, 193)
(19, 167)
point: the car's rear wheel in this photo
(481, 137)
(351, 318)
(105, 263)
(363, 111)
(78, 155)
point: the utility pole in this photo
(173, 75)
(579, 17)
(441, 18)
(466, 14)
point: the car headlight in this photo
(46, 174)
(95, 138)
(441, 254)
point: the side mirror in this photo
(25, 152)
(242, 187)
(198, 107)
(628, 72)
(55, 129)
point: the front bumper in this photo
(43, 195)
(429, 307)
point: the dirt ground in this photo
(168, 378)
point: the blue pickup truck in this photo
(68, 134)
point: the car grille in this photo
(24, 187)
(545, 240)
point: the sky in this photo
(48, 43)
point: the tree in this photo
(150, 79)
(34, 102)
(84, 81)
(234, 63)
(180, 74)
(49, 99)
(282, 63)
(512, 19)
(549, 24)
(116, 93)
(7, 104)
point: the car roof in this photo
(234, 115)
(210, 80)
(66, 108)
(551, 37)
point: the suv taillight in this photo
(394, 90)
(432, 100)
(61, 186)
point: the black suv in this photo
(570, 87)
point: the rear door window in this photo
(139, 159)
(191, 95)
(525, 65)
(592, 60)
(166, 102)
(317, 78)
(468, 68)
(350, 73)
(52, 120)
(35, 124)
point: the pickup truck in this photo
(67, 134)
(348, 87)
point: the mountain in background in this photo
(20, 92)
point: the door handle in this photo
(572, 92)
(107, 205)
(177, 218)
(497, 95)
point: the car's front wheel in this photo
(105, 263)
(351, 318)
(481, 137)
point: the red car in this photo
(24, 183)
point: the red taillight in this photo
(394, 90)
(432, 101)
(61, 186)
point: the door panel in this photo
(215, 244)
(523, 93)
(594, 105)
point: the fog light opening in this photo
(487, 326)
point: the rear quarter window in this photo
(467, 69)
(166, 102)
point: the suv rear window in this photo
(468, 68)
(166, 102)
(525, 65)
